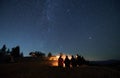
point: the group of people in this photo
(74, 62)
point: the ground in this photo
(42, 70)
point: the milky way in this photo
(86, 27)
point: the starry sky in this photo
(87, 27)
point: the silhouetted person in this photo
(67, 62)
(73, 62)
(78, 60)
(60, 61)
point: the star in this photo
(90, 37)
(68, 12)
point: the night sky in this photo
(87, 27)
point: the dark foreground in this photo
(39, 70)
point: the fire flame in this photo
(54, 59)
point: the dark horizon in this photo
(86, 27)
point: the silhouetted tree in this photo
(49, 54)
(4, 57)
(37, 54)
(8, 52)
(4, 48)
(15, 52)
(32, 54)
(21, 54)
(3, 51)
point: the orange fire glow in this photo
(54, 59)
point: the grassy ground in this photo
(41, 70)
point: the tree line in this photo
(10, 56)
(14, 55)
